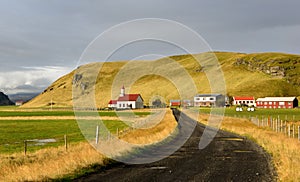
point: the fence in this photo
(289, 128)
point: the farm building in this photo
(127, 101)
(277, 102)
(19, 103)
(187, 103)
(175, 103)
(249, 101)
(209, 100)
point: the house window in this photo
(266, 103)
(204, 98)
(247, 102)
(123, 105)
(197, 98)
(281, 103)
(120, 105)
(270, 103)
(211, 98)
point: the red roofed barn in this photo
(249, 101)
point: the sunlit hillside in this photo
(261, 74)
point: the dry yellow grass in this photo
(53, 163)
(154, 134)
(48, 163)
(284, 150)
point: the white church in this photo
(127, 101)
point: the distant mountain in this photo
(4, 100)
(257, 74)
(22, 96)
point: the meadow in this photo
(53, 161)
(17, 126)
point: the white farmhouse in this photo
(209, 100)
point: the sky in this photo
(41, 40)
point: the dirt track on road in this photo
(228, 157)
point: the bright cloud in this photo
(30, 79)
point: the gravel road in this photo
(228, 157)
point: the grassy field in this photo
(15, 113)
(283, 114)
(44, 163)
(13, 132)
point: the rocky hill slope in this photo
(4, 100)
(260, 74)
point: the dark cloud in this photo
(42, 33)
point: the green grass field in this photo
(283, 114)
(13, 132)
(65, 113)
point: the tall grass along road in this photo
(228, 157)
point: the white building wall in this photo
(112, 105)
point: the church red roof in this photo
(129, 97)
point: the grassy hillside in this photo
(262, 74)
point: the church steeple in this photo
(122, 94)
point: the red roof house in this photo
(249, 101)
(175, 103)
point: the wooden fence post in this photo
(66, 142)
(25, 147)
(97, 134)
(293, 130)
(289, 130)
(299, 133)
(285, 128)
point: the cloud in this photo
(36, 34)
(30, 79)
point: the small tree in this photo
(158, 103)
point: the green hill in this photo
(260, 74)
